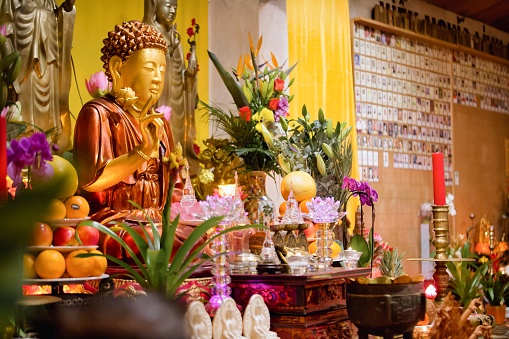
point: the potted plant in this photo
(153, 271)
(496, 290)
(466, 281)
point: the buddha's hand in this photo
(151, 127)
(173, 40)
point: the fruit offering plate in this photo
(62, 249)
(64, 281)
(65, 222)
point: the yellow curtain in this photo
(319, 40)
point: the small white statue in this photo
(197, 321)
(227, 322)
(257, 319)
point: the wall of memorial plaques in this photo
(404, 91)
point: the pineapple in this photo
(391, 264)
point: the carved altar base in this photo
(305, 306)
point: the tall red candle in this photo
(3, 158)
(438, 179)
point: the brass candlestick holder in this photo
(441, 243)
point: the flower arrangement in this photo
(258, 90)
(320, 149)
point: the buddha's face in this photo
(144, 72)
(166, 11)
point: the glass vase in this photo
(259, 206)
(221, 270)
(325, 237)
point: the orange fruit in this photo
(100, 264)
(64, 179)
(303, 207)
(425, 321)
(50, 264)
(76, 207)
(334, 247)
(29, 266)
(79, 267)
(302, 184)
(282, 208)
(56, 210)
(42, 235)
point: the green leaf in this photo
(358, 243)
(231, 84)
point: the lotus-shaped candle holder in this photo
(325, 214)
(214, 206)
(324, 210)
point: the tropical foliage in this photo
(259, 91)
(153, 272)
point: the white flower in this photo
(449, 201)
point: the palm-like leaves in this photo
(245, 140)
(495, 288)
(153, 271)
(465, 284)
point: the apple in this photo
(64, 181)
(88, 235)
(42, 235)
(65, 236)
(310, 232)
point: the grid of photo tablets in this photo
(403, 95)
(480, 83)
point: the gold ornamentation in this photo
(126, 97)
(141, 154)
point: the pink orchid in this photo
(3, 30)
(166, 110)
(98, 85)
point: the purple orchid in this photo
(33, 151)
(357, 188)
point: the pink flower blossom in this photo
(98, 85)
(3, 30)
(166, 110)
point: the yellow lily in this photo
(263, 117)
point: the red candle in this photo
(438, 179)
(3, 158)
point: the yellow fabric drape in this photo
(319, 40)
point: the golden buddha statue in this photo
(121, 145)
(180, 87)
(42, 32)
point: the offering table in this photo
(312, 305)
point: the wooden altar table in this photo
(312, 305)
